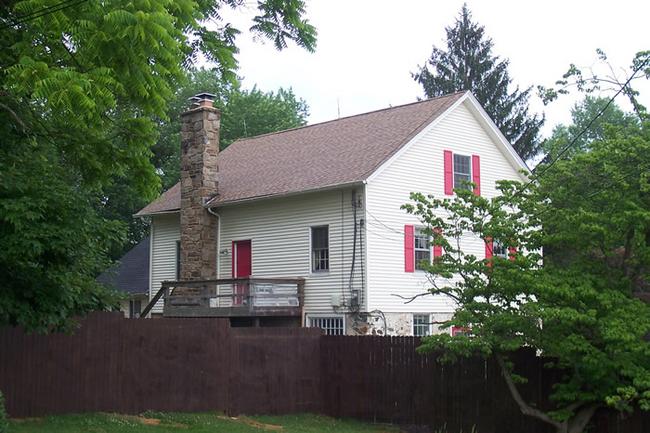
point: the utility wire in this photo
(380, 222)
(42, 12)
(586, 128)
(612, 183)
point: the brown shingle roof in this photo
(337, 152)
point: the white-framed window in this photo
(421, 325)
(462, 171)
(135, 308)
(320, 249)
(422, 248)
(499, 249)
(332, 325)
(178, 260)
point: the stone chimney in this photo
(199, 183)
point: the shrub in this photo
(4, 424)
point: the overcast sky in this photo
(367, 48)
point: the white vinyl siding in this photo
(279, 230)
(165, 235)
(460, 132)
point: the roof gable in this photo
(131, 274)
(329, 154)
(484, 121)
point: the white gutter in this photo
(333, 187)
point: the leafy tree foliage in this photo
(577, 309)
(82, 91)
(244, 113)
(582, 115)
(468, 63)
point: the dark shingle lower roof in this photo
(131, 274)
(338, 152)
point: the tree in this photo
(582, 115)
(590, 81)
(580, 311)
(83, 87)
(244, 113)
(468, 64)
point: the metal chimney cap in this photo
(203, 97)
(202, 100)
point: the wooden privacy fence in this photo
(129, 366)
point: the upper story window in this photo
(462, 171)
(421, 248)
(421, 325)
(320, 249)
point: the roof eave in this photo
(214, 203)
(142, 214)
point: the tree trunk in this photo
(576, 424)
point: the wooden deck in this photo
(235, 297)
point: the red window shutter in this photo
(512, 252)
(449, 173)
(409, 248)
(437, 249)
(476, 174)
(489, 244)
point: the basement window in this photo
(320, 249)
(331, 325)
(462, 171)
(499, 249)
(421, 325)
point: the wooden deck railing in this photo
(230, 297)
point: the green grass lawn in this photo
(153, 422)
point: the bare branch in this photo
(15, 116)
(410, 299)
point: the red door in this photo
(241, 268)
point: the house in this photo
(304, 227)
(131, 276)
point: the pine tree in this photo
(469, 64)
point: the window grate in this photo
(331, 325)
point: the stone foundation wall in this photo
(392, 324)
